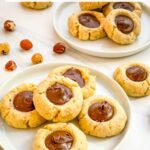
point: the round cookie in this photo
(130, 6)
(57, 98)
(86, 25)
(92, 5)
(60, 136)
(134, 79)
(81, 75)
(102, 116)
(122, 26)
(37, 5)
(17, 108)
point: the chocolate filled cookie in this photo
(122, 26)
(60, 136)
(86, 25)
(81, 75)
(18, 110)
(36, 5)
(56, 97)
(102, 116)
(134, 79)
(97, 6)
(130, 6)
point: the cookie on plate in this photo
(86, 25)
(81, 75)
(130, 6)
(134, 79)
(61, 136)
(17, 107)
(57, 98)
(122, 26)
(37, 5)
(92, 5)
(102, 116)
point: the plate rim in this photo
(128, 126)
(103, 54)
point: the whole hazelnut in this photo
(37, 58)
(26, 44)
(59, 48)
(9, 25)
(4, 48)
(10, 65)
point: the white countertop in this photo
(40, 23)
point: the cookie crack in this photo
(145, 93)
(41, 93)
(94, 127)
(34, 3)
(77, 28)
(81, 117)
(89, 36)
(147, 88)
(113, 32)
(56, 115)
(27, 124)
(6, 114)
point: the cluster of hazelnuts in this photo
(26, 45)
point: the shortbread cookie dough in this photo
(37, 5)
(60, 136)
(57, 98)
(102, 116)
(130, 6)
(134, 79)
(92, 5)
(122, 26)
(86, 25)
(81, 75)
(17, 108)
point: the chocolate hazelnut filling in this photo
(100, 112)
(59, 140)
(124, 24)
(89, 20)
(23, 101)
(123, 5)
(75, 75)
(59, 94)
(136, 73)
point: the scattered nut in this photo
(37, 58)
(26, 44)
(10, 65)
(4, 48)
(59, 48)
(9, 25)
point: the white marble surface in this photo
(38, 25)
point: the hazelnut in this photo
(10, 65)
(59, 48)
(4, 48)
(26, 44)
(37, 58)
(9, 25)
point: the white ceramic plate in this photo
(103, 47)
(21, 139)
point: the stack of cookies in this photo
(120, 21)
(67, 93)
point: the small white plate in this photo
(103, 47)
(21, 139)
